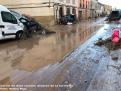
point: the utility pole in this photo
(90, 9)
(49, 3)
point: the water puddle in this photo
(21, 59)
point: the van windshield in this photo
(8, 17)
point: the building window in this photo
(73, 1)
(67, 1)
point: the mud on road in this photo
(37, 60)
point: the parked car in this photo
(63, 20)
(10, 26)
(67, 19)
(71, 18)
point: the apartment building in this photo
(100, 9)
(107, 9)
(93, 8)
(65, 7)
(84, 9)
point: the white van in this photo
(10, 26)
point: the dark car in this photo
(63, 20)
(114, 16)
(71, 18)
(68, 18)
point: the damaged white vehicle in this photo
(10, 26)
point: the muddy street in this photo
(68, 58)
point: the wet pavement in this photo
(68, 57)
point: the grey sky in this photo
(114, 3)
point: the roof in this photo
(3, 8)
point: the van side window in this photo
(8, 17)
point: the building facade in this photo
(46, 11)
(100, 9)
(90, 9)
(107, 9)
(93, 8)
(65, 7)
(84, 9)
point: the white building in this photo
(93, 8)
(100, 9)
(65, 7)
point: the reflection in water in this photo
(19, 60)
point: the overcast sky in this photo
(114, 3)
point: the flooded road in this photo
(41, 59)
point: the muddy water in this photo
(20, 59)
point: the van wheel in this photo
(19, 35)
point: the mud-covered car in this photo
(28, 19)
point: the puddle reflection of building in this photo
(77, 35)
(62, 42)
(85, 34)
(11, 57)
(66, 41)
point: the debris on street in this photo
(108, 44)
